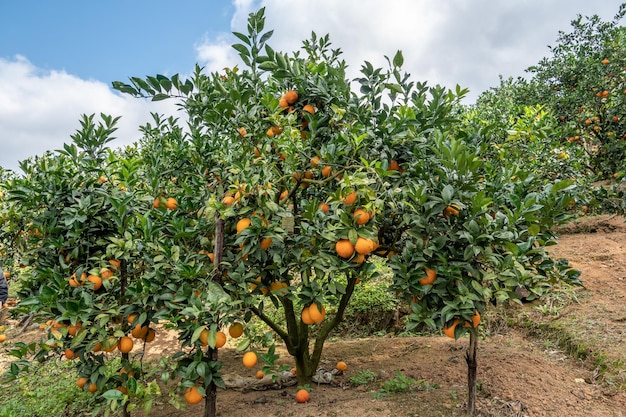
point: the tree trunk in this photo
(210, 401)
(470, 358)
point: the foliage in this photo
(363, 377)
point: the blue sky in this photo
(58, 58)
(110, 40)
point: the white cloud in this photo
(39, 110)
(449, 43)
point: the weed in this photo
(363, 377)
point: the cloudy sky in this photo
(58, 59)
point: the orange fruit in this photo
(475, 320)
(393, 165)
(430, 277)
(302, 396)
(449, 331)
(156, 203)
(125, 344)
(277, 286)
(75, 282)
(323, 207)
(171, 203)
(92, 387)
(81, 382)
(69, 354)
(327, 171)
(106, 273)
(316, 315)
(192, 396)
(291, 96)
(249, 359)
(605, 61)
(139, 331)
(266, 243)
(358, 259)
(344, 248)
(308, 108)
(306, 317)
(235, 330)
(361, 216)
(284, 194)
(242, 131)
(97, 347)
(341, 366)
(273, 131)
(228, 200)
(282, 102)
(259, 374)
(451, 211)
(96, 281)
(364, 246)
(115, 263)
(315, 161)
(350, 198)
(243, 224)
(73, 329)
(150, 335)
(220, 339)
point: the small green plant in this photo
(399, 383)
(363, 377)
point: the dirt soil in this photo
(523, 369)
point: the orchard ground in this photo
(563, 357)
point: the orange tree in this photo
(114, 247)
(312, 179)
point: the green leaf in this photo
(398, 59)
(197, 332)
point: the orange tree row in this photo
(281, 188)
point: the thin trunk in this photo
(210, 401)
(123, 283)
(470, 358)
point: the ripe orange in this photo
(451, 210)
(361, 216)
(323, 207)
(605, 61)
(228, 200)
(243, 224)
(302, 396)
(344, 248)
(125, 344)
(139, 331)
(74, 282)
(616, 118)
(430, 277)
(97, 347)
(220, 339)
(266, 243)
(475, 320)
(242, 131)
(171, 203)
(341, 366)
(156, 203)
(92, 387)
(316, 315)
(115, 263)
(364, 246)
(249, 359)
(235, 330)
(291, 96)
(327, 171)
(260, 374)
(150, 335)
(69, 354)
(449, 331)
(96, 281)
(106, 273)
(306, 317)
(273, 131)
(81, 382)
(393, 165)
(315, 161)
(192, 396)
(204, 337)
(308, 109)
(284, 194)
(350, 198)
